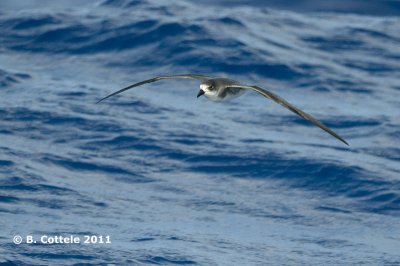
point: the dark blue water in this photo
(177, 180)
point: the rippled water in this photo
(177, 180)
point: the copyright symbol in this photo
(17, 239)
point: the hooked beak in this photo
(201, 92)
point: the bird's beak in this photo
(201, 92)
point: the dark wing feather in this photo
(186, 76)
(292, 108)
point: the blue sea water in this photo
(175, 180)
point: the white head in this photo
(208, 88)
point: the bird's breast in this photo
(226, 94)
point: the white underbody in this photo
(224, 94)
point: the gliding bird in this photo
(221, 89)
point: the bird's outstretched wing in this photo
(292, 108)
(185, 76)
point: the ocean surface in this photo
(175, 180)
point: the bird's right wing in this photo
(185, 76)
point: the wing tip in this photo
(99, 101)
(345, 142)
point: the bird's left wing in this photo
(185, 76)
(291, 107)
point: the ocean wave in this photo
(175, 180)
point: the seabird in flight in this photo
(221, 89)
